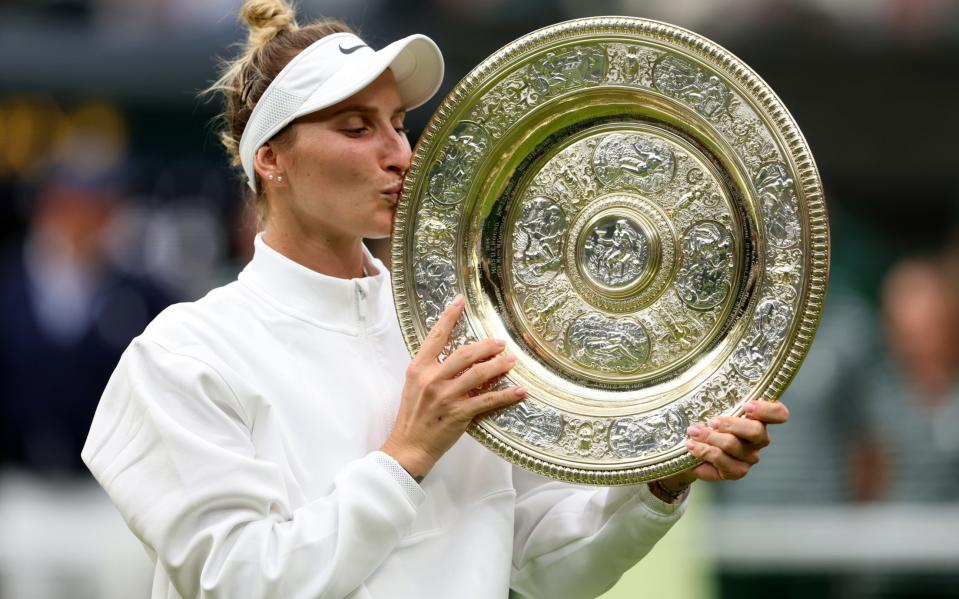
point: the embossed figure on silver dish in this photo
(568, 69)
(704, 279)
(638, 436)
(540, 310)
(586, 438)
(536, 82)
(778, 198)
(680, 79)
(635, 160)
(537, 425)
(611, 344)
(752, 360)
(616, 252)
(450, 177)
(435, 282)
(538, 241)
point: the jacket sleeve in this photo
(576, 542)
(172, 447)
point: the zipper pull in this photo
(361, 311)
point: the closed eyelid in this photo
(353, 121)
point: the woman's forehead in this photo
(382, 97)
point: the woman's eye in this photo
(356, 130)
(403, 130)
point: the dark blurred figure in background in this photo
(65, 316)
(914, 405)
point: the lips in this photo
(393, 192)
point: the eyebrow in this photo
(364, 110)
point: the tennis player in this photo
(274, 439)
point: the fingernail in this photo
(519, 391)
(501, 343)
(694, 430)
(714, 424)
(750, 407)
(511, 358)
(690, 445)
(459, 300)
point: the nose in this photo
(397, 153)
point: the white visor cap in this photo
(332, 69)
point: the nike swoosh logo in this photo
(353, 49)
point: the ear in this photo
(266, 164)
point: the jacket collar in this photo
(348, 305)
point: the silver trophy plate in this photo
(636, 212)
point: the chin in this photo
(381, 225)
(380, 230)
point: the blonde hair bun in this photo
(267, 18)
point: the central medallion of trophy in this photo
(616, 252)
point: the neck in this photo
(334, 257)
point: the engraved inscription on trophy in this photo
(754, 357)
(705, 93)
(538, 241)
(619, 345)
(535, 424)
(616, 252)
(435, 283)
(450, 177)
(637, 437)
(704, 280)
(645, 163)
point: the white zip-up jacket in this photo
(238, 439)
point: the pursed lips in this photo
(393, 192)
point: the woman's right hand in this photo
(441, 399)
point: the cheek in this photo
(344, 168)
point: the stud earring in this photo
(279, 178)
(270, 177)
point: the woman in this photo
(274, 440)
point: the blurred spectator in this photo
(914, 397)
(66, 314)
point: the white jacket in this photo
(238, 439)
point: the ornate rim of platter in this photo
(634, 210)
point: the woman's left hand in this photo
(728, 445)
